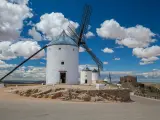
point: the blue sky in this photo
(127, 13)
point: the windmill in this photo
(81, 38)
(77, 37)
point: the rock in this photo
(44, 92)
(56, 95)
(34, 95)
(39, 96)
(97, 98)
(35, 91)
(16, 91)
(46, 96)
(84, 97)
(29, 91)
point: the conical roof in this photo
(95, 70)
(63, 39)
(86, 69)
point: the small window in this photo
(62, 63)
(73, 49)
(59, 48)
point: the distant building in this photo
(128, 79)
(86, 76)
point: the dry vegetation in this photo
(74, 93)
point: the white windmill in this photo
(62, 54)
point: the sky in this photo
(124, 34)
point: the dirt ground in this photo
(14, 107)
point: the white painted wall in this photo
(69, 55)
(86, 75)
(95, 76)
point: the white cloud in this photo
(2, 62)
(147, 52)
(111, 29)
(105, 63)
(29, 73)
(145, 61)
(26, 49)
(131, 37)
(5, 65)
(116, 58)
(5, 52)
(12, 17)
(51, 25)
(152, 74)
(122, 73)
(107, 50)
(36, 35)
(10, 50)
(81, 49)
(89, 34)
(149, 55)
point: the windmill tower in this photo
(95, 76)
(62, 54)
(62, 61)
(86, 76)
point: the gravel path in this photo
(33, 109)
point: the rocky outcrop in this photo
(122, 95)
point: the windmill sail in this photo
(84, 23)
(94, 57)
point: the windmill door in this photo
(63, 77)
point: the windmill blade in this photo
(98, 62)
(84, 22)
(72, 32)
(23, 62)
(94, 57)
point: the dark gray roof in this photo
(95, 70)
(63, 39)
(86, 69)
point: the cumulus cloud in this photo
(5, 51)
(147, 52)
(5, 65)
(26, 49)
(9, 50)
(29, 73)
(151, 74)
(36, 35)
(12, 17)
(131, 37)
(149, 55)
(89, 34)
(111, 29)
(105, 63)
(107, 50)
(51, 25)
(145, 61)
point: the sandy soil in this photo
(14, 107)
